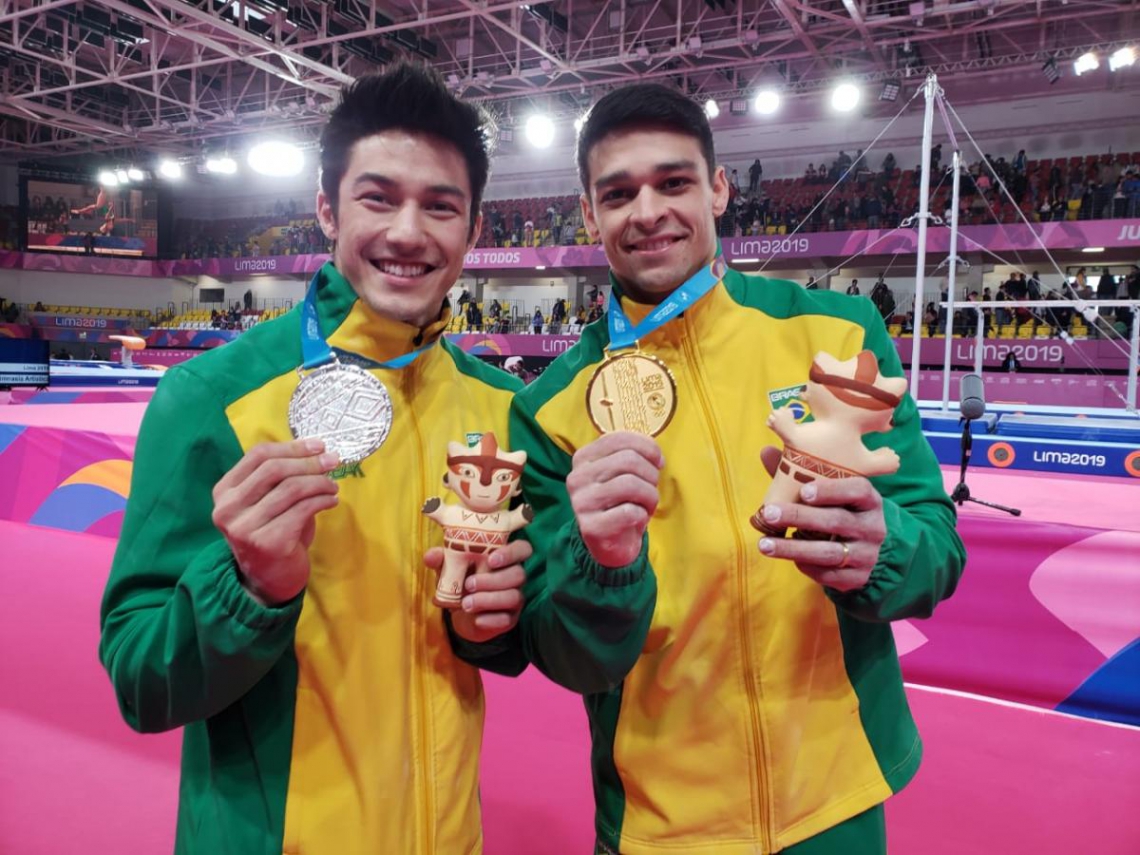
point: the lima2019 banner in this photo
(1000, 238)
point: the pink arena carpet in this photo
(1020, 682)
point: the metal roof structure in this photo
(133, 76)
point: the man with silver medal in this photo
(270, 593)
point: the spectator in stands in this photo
(557, 316)
(1106, 290)
(809, 174)
(595, 313)
(1003, 315)
(1011, 363)
(537, 321)
(930, 318)
(474, 317)
(1081, 285)
(839, 215)
(1033, 286)
(9, 312)
(936, 159)
(1019, 163)
(39, 307)
(812, 284)
(755, 172)
(853, 288)
(516, 227)
(884, 299)
(842, 164)
(734, 180)
(889, 164)
(1058, 318)
(528, 233)
(464, 299)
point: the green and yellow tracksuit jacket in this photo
(342, 721)
(762, 708)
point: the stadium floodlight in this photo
(221, 165)
(135, 174)
(891, 89)
(108, 179)
(1051, 71)
(1123, 58)
(276, 158)
(712, 108)
(767, 102)
(845, 97)
(1086, 62)
(539, 130)
(170, 169)
(121, 174)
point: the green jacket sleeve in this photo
(922, 557)
(181, 638)
(583, 625)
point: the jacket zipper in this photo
(419, 629)
(761, 790)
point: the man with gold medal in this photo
(269, 592)
(742, 700)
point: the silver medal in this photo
(346, 407)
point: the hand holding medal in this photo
(631, 398)
(266, 507)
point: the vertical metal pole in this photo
(923, 214)
(952, 273)
(1133, 358)
(980, 344)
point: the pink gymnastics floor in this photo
(997, 779)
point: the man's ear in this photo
(326, 215)
(588, 218)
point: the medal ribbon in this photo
(316, 351)
(625, 334)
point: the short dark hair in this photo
(643, 105)
(411, 98)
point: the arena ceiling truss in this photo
(180, 77)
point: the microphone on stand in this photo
(972, 405)
(973, 397)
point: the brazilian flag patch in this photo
(793, 398)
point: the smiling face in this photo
(652, 205)
(401, 223)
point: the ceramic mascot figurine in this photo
(847, 399)
(483, 477)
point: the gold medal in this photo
(632, 391)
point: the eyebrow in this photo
(624, 174)
(385, 181)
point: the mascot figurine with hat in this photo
(483, 477)
(847, 399)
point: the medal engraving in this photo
(346, 407)
(632, 391)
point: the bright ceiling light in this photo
(845, 97)
(539, 131)
(1093, 249)
(1085, 62)
(135, 174)
(767, 102)
(1123, 58)
(170, 169)
(712, 108)
(121, 174)
(579, 123)
(107, 178)
(221, 165)
(277, 159)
